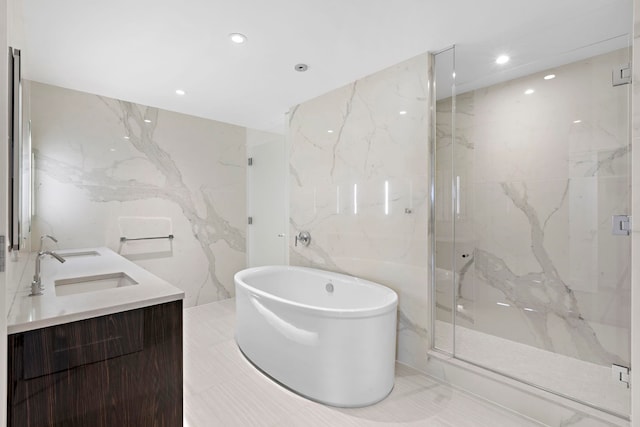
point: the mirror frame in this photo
(15, 148)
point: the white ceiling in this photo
(143, 50)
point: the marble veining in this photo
(150, 172)
(406, 324)
(532, 252)
(607, 162)
(345, 117)
(557, 298)
(359, 177)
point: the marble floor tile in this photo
(223, 389)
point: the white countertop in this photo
(33, 312)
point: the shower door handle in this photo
(621, 225)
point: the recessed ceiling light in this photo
(550, 76)
(147, 121)
(238, 38)
(529, 91)
(402, 113)
(330, 131)
(180, 92)
(126, 137)
(112, 149)
(577, 121)
(502, 59)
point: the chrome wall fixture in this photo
(304, 238)
(128, 239)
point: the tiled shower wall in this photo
(540, 177)
(359, 185)
(103, 172)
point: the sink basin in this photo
(100, 282)
(77, 254)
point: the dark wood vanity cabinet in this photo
(118, 370)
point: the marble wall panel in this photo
(359, 185)
(106, 168)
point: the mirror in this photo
(19, 171)
(15, 147)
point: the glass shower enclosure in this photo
(532, 201)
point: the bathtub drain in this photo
(329, 287)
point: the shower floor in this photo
(222, 389)
(585, 381)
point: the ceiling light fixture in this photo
(529, 91)
(330, 131)
(126, 137)
(502, 59)
(180, 92)
(550, 76)
(402, 113)
(577, 121)
(147, 121)
(238, 38)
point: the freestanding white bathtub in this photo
(327, 336)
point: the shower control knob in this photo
(304, 238)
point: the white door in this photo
(267, 203)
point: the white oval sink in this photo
(100, 282)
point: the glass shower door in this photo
(532, 269)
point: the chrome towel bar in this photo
(127, 239)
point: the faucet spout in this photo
(56, 256)
(36, 283)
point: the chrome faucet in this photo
(46, 236)
(36, 283)
(303, 237)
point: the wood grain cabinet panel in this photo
(123, 369)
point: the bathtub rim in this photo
(371, 311)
